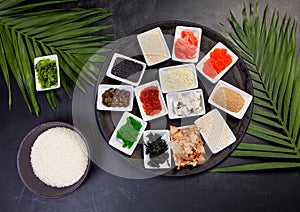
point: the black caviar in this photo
(127, 69)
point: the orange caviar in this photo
(218, 61)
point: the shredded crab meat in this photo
(187, 146)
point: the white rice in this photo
(59, 157)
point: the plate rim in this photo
(240, 64)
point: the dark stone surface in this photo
(255, 191)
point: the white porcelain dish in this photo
(200, 65)
(247, 97)
(139, 74)
(137, 92)
(104, 87)
(37, 84)
(206, 154)
(153, 46)
(117, 143)
(164, 135)
(172, 78)
(215, 131)
(197, 32)
(170, 97)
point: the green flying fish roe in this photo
(129, 132)
(47, 73)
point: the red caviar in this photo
(218, 61)
(186, 46)
(150, 100)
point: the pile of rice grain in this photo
(59, 157)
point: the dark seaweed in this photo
(157, 148)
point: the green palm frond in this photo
(269, 49)
(26, 33)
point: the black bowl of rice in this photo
(53, 159)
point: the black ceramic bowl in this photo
(25, 169)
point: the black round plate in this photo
(237, 76)
(25, 169)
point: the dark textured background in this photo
(255, 191)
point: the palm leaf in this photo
(25, 35)
(270, 52)
(258, 166)
(263, 147)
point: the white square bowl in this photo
(197, 32)
(166, 136)
(103, 87)
(137, 92)
(170, 98)
(174, 80)
(37, 84)
(127, 81)
(117, 143)
(188, 140)
(200, 65)
(149, 39)
(247, 97)
(215, 131)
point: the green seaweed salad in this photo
(129, 132)
(47, 73)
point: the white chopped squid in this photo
(184, 105)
